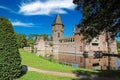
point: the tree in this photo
(45, 37)
(118, 46)
(10, 60)
(99, 16)
(21, 40)
(31, 38)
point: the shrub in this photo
(10, 60)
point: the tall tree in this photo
(21, 40)
(31, 38)
(10, 60)
(45, 36)
(99, 15)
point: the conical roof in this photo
(57, 20)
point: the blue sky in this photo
(37, 16)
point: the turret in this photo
(57, 29)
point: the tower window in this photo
(58, 35)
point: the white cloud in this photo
(46, 8)
(22, 24)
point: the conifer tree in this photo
(10, 60)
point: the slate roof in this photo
(57, 20)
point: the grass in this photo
(39, 76)
(40, 63)
(30, 59)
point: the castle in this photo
(72, 50)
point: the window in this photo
(58, 35)
(73, 39)
(96, 64)
(95, 44)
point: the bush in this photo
(51, 58)
(10, 60)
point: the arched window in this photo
(58, 35)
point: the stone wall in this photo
(28, 49)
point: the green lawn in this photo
(39, 76)
(30, 59)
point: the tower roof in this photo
(57, 20)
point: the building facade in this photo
(72, 50)
(42, 48)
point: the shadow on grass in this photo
(80, 79)
(109, 73)
(97, 75)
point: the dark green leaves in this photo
(10, 60)
(99, 15)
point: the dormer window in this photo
(95, 41)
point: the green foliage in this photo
(51, 58)
(31, 39)
(118, 45)
(99, 15)
(21, 40)
(119, 51)
(51, 44)
(46, 37)
(40, 76)
(10, 60)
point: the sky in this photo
(37, 16)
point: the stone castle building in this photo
(42, 47)
(72, 50)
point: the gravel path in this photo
(69, 74)
(52, 72)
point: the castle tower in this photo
(57, 33)
(57, 29)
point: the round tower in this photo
(57, 29)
